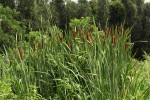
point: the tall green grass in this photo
(83, 65)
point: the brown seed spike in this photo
(41, 45)
(126, 46)
(20, 53)
(105, 31)
(60, 38)
(112, 33)
(91, 29)
(87, 37)
(91, 34)
(74, 34)
(34, 47)
(114, 41)
(80, 33)
(10, 62)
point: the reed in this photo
(83, 65)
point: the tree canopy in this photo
(40, 14)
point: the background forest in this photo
(66, 50)
(28, 13)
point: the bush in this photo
(117, 12)
(9, 27)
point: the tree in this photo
(93, 7)
(137, 32)
(146, 27)
(59, 12)
(25, 7)
(83, 9)
(9, 3)
(9, 27)
(117, 12)
(102, 12)
(130, 12)
(41, 16)
(71, 11)
(35, 13)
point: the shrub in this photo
(117, 12)
(9, 27)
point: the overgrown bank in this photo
(86, 64)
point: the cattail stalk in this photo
(87, 37)
(34, 47)
(81, 34)
(20, 53)
(91, 33)
(74, 34)
(114, 41)
(41, 44)
(60, 37)
(10, 61)
(126, 46)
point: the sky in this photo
(88, 0)
(147, 0)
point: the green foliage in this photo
(79, 66)
(8, 3)
(6, 91)
(9, 26)
(93, 7)
(25, 7)
(85, 64)
(130, 12)
(59, 13)
(41, 17)
(5, 80)
(102, 12)
(117, 12)
(146, 29)
(83, 9)
(82, 23)
(71, 8)
(138, 24)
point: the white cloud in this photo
(147, 0)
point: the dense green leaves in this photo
(81, 66)
(102, 12)
(146, 25)
(9, 27)
(59, 13)
(117, 12)
(87, 63)
(8, 3)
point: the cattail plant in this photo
(78, 69)
(74, 34)
(34, 47)
(114, 41)
(91, 33)
(41, 44)
(20, 53)
(60, 37)
(88, 37)
(81, 34)
(10, 61)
